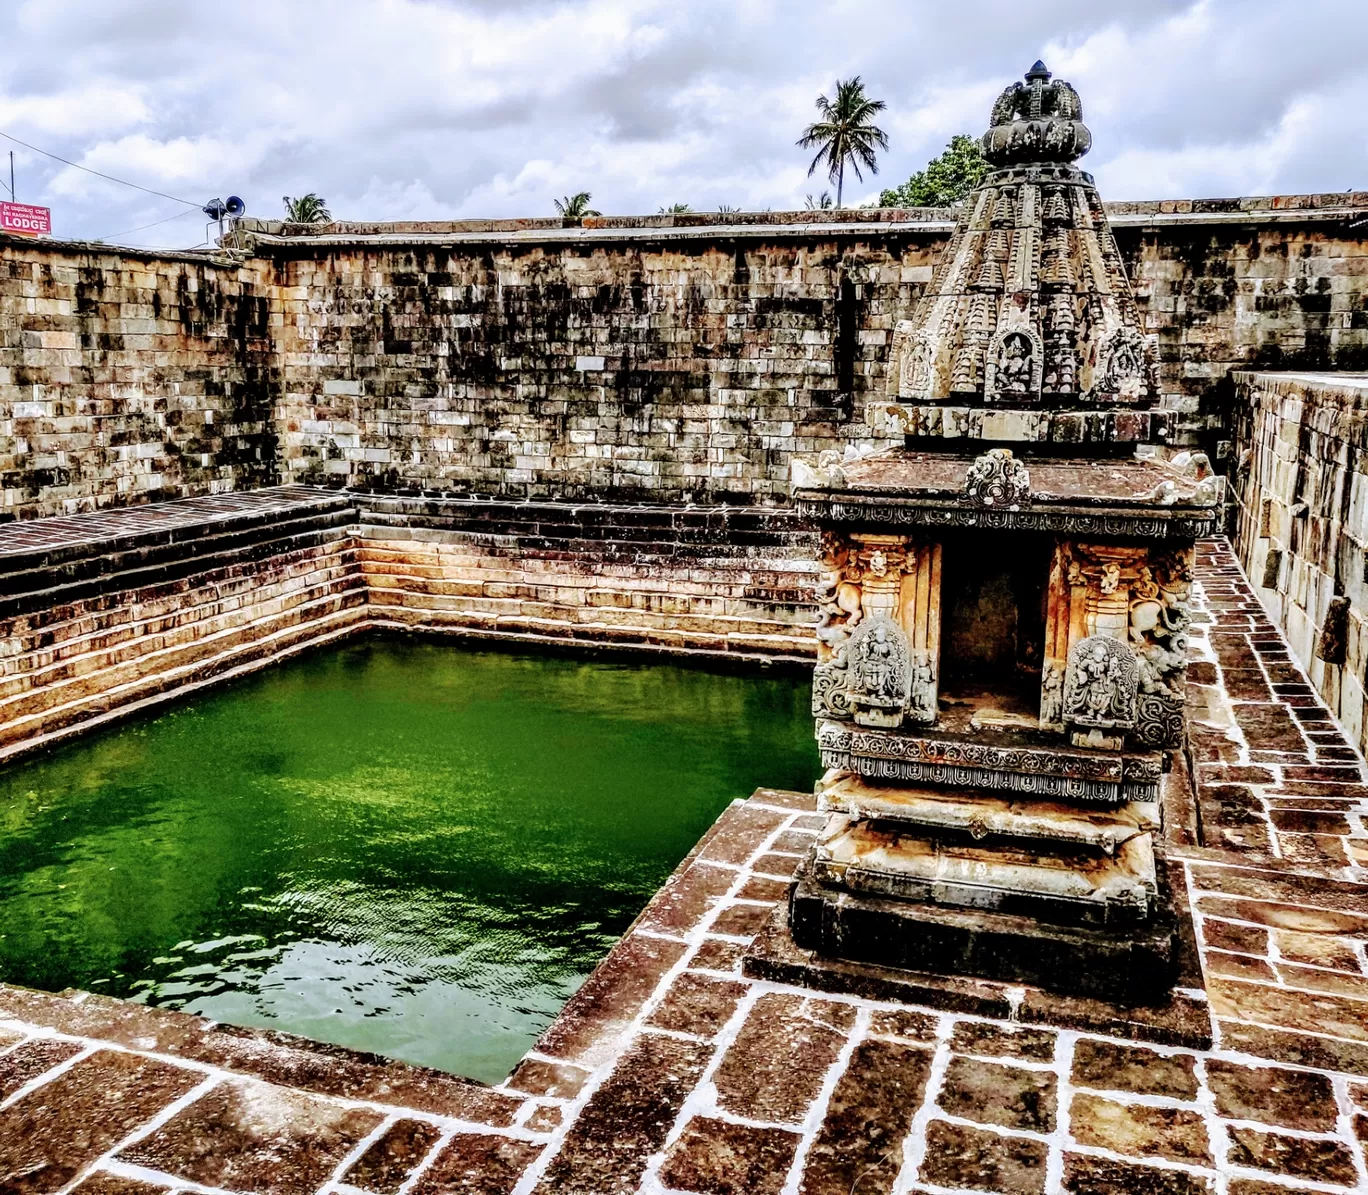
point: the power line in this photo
(109, 177)
(129, 231)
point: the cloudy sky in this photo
(440, 109)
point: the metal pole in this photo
(13, 198)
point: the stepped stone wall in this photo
(107, 613)
(666, 360)
(1301, 490)
(721, 582)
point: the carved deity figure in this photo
(921, 698)
(1101, 683)
(879, 673)
(1121, 364)
(911, 358)
(1014, 365)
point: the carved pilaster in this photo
(1134, 595)
(878, 635)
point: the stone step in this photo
(1067, 887)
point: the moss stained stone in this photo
(717, 1157)
(1011, 1096)
(627, 1119)
(255, 1137)
(387, 1164)
(957, 1156)
(1139, 1130)
(869, 1114)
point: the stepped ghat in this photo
(1002, 656)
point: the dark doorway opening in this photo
(993, 596)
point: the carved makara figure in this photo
(999, 481)
(1101, 684)
(837, 593)
(1159, 621)
(839, 602)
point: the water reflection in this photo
(398, 845)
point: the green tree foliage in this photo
(675, 209)
(576, 206)
(946, 179)
(845, 134)
(307, 209)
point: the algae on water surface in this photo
(400, 846)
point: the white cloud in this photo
(406, 109)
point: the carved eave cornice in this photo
(1034, 769)
(1141, 499)
(1061, 520)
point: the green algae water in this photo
(397, 845)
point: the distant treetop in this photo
(946, 179)
(576, 206)
(307, 209)
(845, 135)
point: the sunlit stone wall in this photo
(127, 377)
(1301, 529)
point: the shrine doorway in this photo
(993, 598)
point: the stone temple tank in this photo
(1004, 605)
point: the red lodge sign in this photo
(25, 219)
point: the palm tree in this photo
(675, 209)
(727, 209)
(820, 204)
(307, 209)
(845, 133)
(576, 206)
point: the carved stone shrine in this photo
(1004, 606)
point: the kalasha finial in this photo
(1038, 121)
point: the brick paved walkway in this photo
(671, 1071)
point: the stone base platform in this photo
(1137, 966)
(1148, 987)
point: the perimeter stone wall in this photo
(686, 359)
(1301, 516)
(666, 360)
(127, 377)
